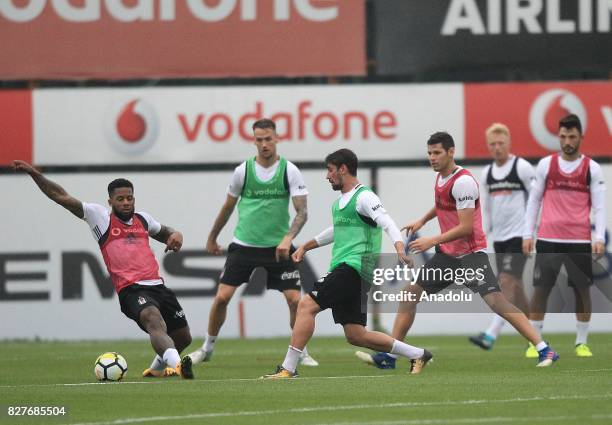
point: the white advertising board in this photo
(50, 264)
(46, 250)
(212, 125)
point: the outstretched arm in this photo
(220, 222)
(53, 190)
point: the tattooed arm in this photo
(172, 238)
(53, 190)
(301, 209)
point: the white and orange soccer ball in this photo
(110, 367)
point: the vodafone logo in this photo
(548, 109)
(132, 126)
(115, 231)
(145, 10)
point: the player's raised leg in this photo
(512, 288)
(404, 319)
(159, 368)
(359, 336)
(154, 324)
(500, 305)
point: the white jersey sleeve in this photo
(525, 173)
(485, 200)
(325, 237)
(535, 197)
(297, 187)
(465, 192)
(153, 225)
(97, 217)
(598, 200)
(369, 205)
(237, 182)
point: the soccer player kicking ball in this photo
(123, 236)
(461, 245)
(358, 217)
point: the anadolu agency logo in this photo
(547, 110)
(133, 127)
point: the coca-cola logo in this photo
(548, 109)
(132, 127)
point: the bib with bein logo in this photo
(263, 209)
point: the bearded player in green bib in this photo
(262, 187)
(358, 220)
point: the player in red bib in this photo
(123, 237)
(568, 187)
(460, 246)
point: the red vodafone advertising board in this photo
(212, 124)
(15, 125)
(118, 39)
(532, 112)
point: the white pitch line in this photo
(493, 419)
(162, 381)
(340, 407)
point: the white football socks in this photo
(209, 343)
(291, 359)
(158, 364)
(402, 349)
(496, 326)
(171, 357)
(582, 332)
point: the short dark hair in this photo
(442, 137)
(117, 183)
(346, 157)
(264, 124)
(571, 121)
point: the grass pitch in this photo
(464, 385)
